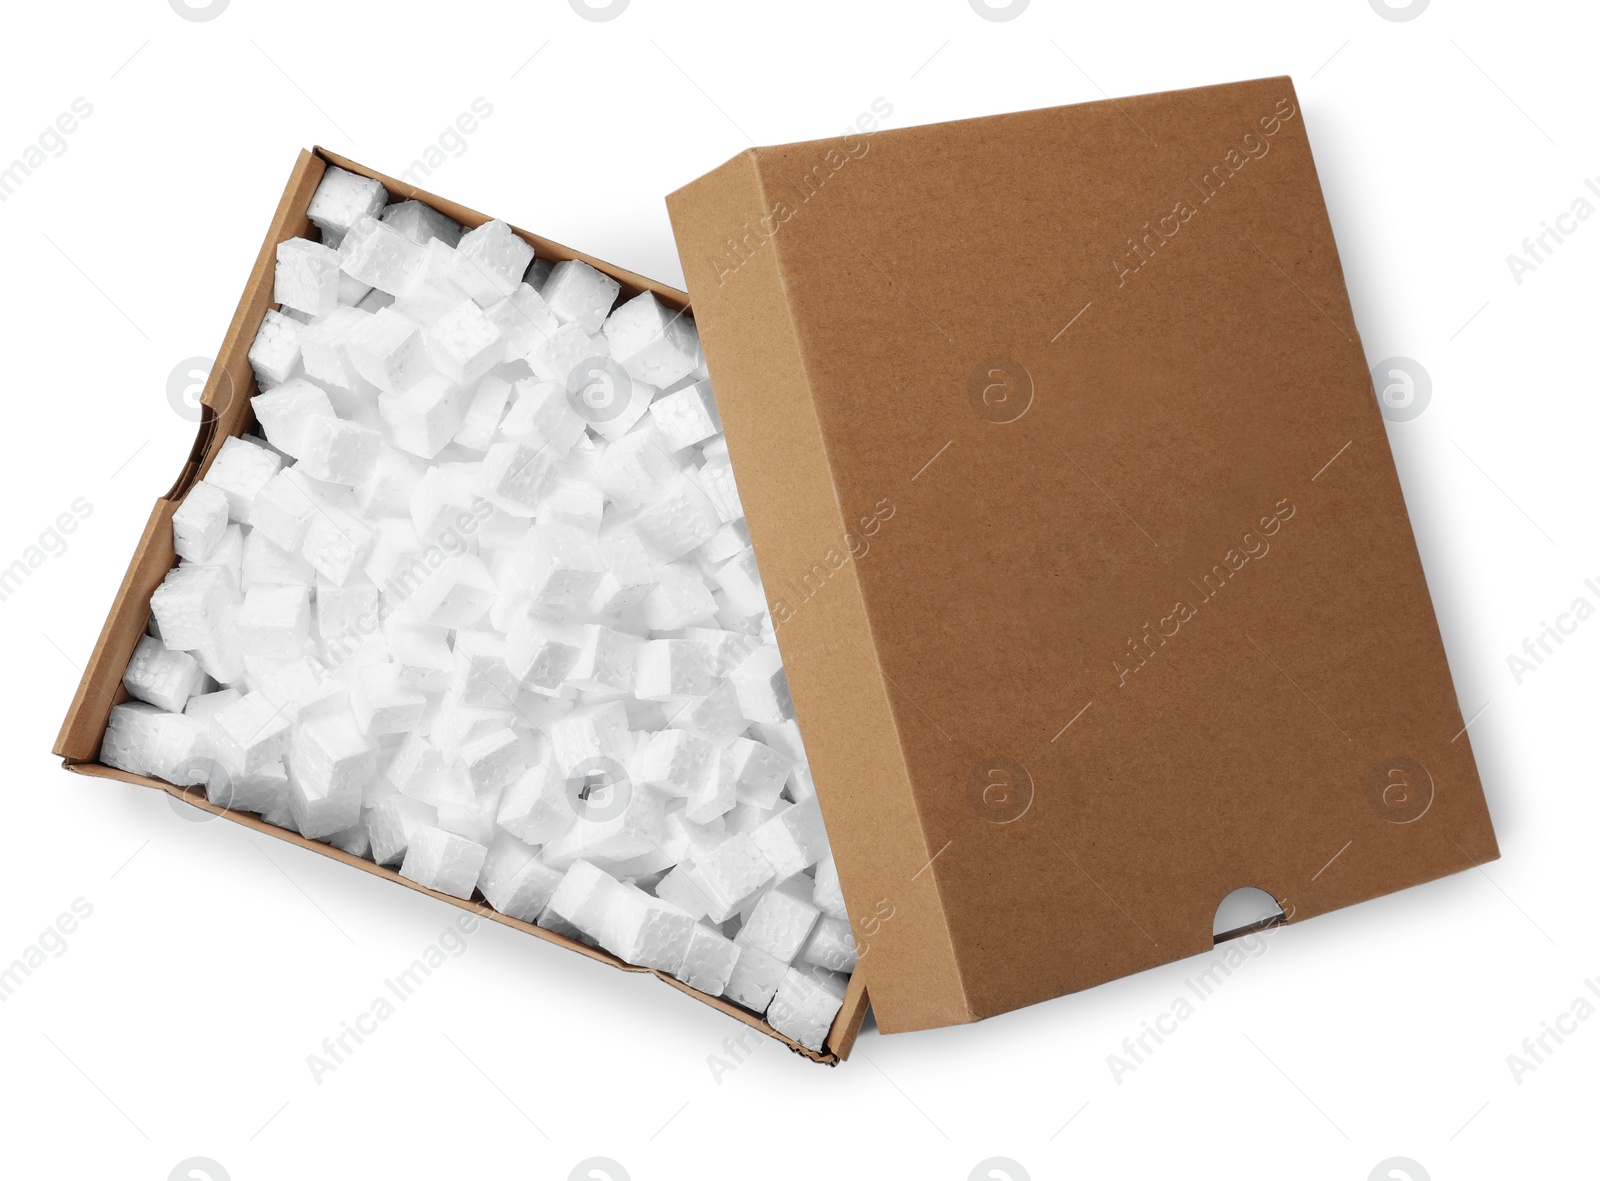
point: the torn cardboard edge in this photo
(225, 411)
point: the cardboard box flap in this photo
(1093, 579)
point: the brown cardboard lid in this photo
(1076, 512)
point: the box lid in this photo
(1077, 517)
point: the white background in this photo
(178, 1019)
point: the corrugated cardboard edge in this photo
(841, 695)
(225, 411)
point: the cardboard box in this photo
(1077, 518)
(1091, 571)
(226, 411)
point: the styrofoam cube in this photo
(653, 343)
(585, 897)
(730, 875)
(761, 687)
(306, 277)
(274, 620)
(162, 676)
(714, 795)
(379, 255)
(443, 862)
(536, 807)
(322, 346)
(715, 716)
(826, 896)
(250, 734)
(525, 321)
(492, 262)
(678, 519)
(617, 820)
(240, 470)
(392, 823)
(456, 595)
(422, 223)
(423, 420)
(330, 761)
(687, 416)
(264, 562)
(606, 660)
(192, 605)
(759, 771)
(343, 198)
(515, 476)
(542, 417)
(779, 924)
(339, 451)
(493, 760)
(679, 599)
(674, 762)
(262, 790)
(382, 704)
(387, 488)
(717, 482)
(794, 839)
(754, 979)
(200, 522)
(830, 945)
(336, 545)
(275, 352)
(805, 1005)
(515, 881)
(285, 411)
(485, 408)
(579, 294)
(464, 343)
(388, 350)
(646, 931)
(678, 888)
(709, 960)
(557, 566)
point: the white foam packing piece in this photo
(496, 620)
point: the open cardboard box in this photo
(1090, 567)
